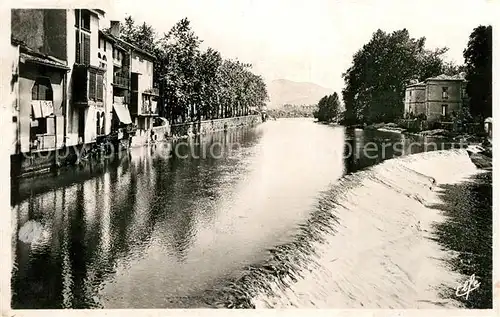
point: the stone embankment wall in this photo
(207, 126)
(45, 161)
(156, 134)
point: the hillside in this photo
(283, 91)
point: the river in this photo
(237, 219)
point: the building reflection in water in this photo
(97, 219)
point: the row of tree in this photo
(291, 111)
(382, 68)
(196, 84)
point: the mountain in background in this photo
(283, 91)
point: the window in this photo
(96, 90)
(410, 93)
(99, 89)
(82, 48)
(444, 110)
(445, 93)
(42, 89)
(85, 20)
(92, 86)
(82, 19)
(86, 49)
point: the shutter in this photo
(98, 123)
(126, 97)
(77, 51)
(99, 92)
(86, 49)
(77, 17)
(92, 86)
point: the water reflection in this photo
(170, 221)
(364, 148)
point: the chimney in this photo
(115, 28)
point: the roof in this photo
(420, 84)
(98, 11)
(488, 120)
(44, 61)
(118, 40)
(28, 55)
(446, 77)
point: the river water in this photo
(287, 214)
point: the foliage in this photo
(478, 64)
(196, 84)
(328, 108)
(292, 111)
(381, 69)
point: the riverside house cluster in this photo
(76, 85)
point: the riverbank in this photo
(479, 147)
(33, 164)
(184, 130)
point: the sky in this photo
(308, 41)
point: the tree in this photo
(452, 69)
(478, 64)
(179, 74)
(381, 69)
(328, 108)
(142, 36)
(210, 62)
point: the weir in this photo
(369, 243)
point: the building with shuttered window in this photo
(58, 86)
(133, 97)
(74, 84)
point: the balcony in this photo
(88, 85)
(152, 92)
(148, 109)
(121, 81)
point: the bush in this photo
(422, 117)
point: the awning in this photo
(46, 61)
(37, 109)
(122, 113)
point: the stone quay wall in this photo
(207, 126)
